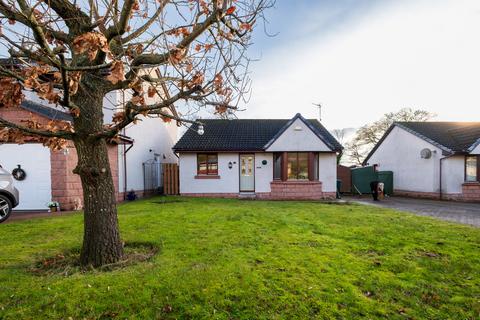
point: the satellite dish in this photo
(426, 153)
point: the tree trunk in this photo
(101, 239)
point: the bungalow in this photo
(258, 158)
(438, 160)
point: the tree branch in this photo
(41, 133)
(135, 34)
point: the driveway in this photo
(466, 213)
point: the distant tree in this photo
(73, 53)
(369, 135)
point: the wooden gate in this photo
(345, 175)
(170, 179)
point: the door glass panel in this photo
(250, 166)
(243, 167)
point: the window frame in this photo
(277, 176)
(209, 172)
(478, 168)
(297, 167)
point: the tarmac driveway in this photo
(466, 213)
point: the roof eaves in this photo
(375, 147)
(421, 136)
(474, 145)
(307, 123)
(45, 111)
(436, 144)
(282, 130)
(317, 133)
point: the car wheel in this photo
(5, 208)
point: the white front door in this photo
(247, 173)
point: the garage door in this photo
(36, 189)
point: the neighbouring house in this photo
(135, 159)
(438, 160)
(259, 158)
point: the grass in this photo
(230, 259)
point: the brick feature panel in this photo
(211, 195)
(296, 190)
(471, 191)
(430, 195)
(280, 190)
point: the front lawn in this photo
(230, 259)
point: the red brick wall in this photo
(471, 191)
(296, 190)
(211, 195)
(280, 190)
(66, 186)
(469, 194)
(17, 114)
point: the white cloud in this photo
(422, 54)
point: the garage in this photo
(36, 188)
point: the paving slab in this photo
(461, 212)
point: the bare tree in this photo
(72, 54)
(369, 135)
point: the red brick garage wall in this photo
(66, 186)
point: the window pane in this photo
(212, 164)
(292, 165)
(471, 169)
(202, 164)
(277, 166)
(302, 166)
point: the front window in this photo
(471, 168)
(207, 164)
(297, 165)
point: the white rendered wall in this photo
(298, 140)
(453, 174)
(36, 190)
(263, 173)
(229, 178)
(327, 171)
(151, 137)
(400, 153)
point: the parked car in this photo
(8, 194)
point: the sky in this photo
(363, 58)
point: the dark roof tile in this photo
(241, 135)
(456, 136)
(48, 112)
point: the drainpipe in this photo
(125, 150)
